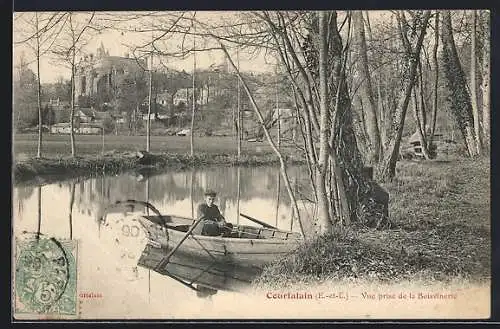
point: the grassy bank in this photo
(169, 152)
(25, 145)
(58, 168)
(440, 213)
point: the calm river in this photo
(110, 284)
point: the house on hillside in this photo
(102, 115)
(164, 98)
(60, 128)
(60, 110)
(119, 117)
(89, 129)
(151, 117)
(82, 129)
(84, 115)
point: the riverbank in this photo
(46, 170)
(25, 145)
(120, 155)
(440, 214)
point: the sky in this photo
(117, 44)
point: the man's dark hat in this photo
(210, 193)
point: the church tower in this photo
(101, 51)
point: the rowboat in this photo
(245, 245)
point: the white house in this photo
(83, 129)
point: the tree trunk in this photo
(485, 83)
(362, 139)
(368, 25)
(73, 68)
(208, 91)
(324, 223)
(238, 108)
(238, 194)
(278, 110)
(356, 200)
(136, 113)
(38, 89)
(171, 110)
(150, 101)
(72, 114)
(436, 77)
(420, 114)
(388, 168)
(420, 126)
(368, 100)
(283, 167)
(473, 84)
(422, 93)
(191, 135)
(460, 102)
(343, 184)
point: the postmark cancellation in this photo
(45, 278)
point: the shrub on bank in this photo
(440, 216)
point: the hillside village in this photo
(111, 96)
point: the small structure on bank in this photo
(416, 147)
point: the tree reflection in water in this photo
(176, 186)
(254, 190)
(71, 203)
(204, 276)
(39, 226)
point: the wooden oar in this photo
(167, 258)
(258, 222)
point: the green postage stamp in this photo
(45, 276)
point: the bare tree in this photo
(460, 102)
(38, 87)
(312, 53)
(193, 109)
(473, 83)
(343, 191)
(266, 131)
(366, 101)
(38, 31)
(388, 169)
(419, 114)
(324, 122)
(485, 76)
(150, 104)
(69, 45)
(436, 76)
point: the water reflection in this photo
(39, 203)
(203, 276)
(239, 189)
(108, 255)
(71, 203)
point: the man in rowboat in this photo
(212, 223)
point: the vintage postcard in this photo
(251, 165)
